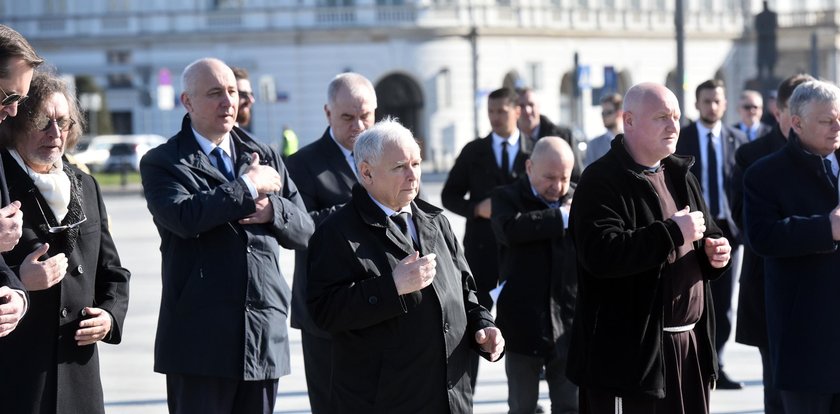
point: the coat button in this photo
(450, 385)
(373, 300)
(80, 269)
(446, 327)
(64, 312)
(248, 249)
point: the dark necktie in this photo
(401, 219)
(220, 157)
(829, 172)
(714, 196)
(505, 160)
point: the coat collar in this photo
(191, 155)
(812, 163)
(335, 158)
(672, 162)
(423, 214)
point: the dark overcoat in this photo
(325, 182)
(7, 276)
(353, 296)
(49, 370)
(224, 303)
(751, 328)
(537, 304)
(622, 245)
(787, 201)
(471, 180)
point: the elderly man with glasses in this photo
(66, 259)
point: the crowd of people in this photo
(611, 271)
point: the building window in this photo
(335, 3)
(227, 4)
(119, 5)
(120, 76)
(535, 75)
(55, 6)
(444, 88)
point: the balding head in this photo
(550, 167)
(210, 96)
(651, 123)
(350, 108)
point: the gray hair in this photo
(812, 92)
(371, 143)
(190, 74)
(355, 83)
(749, 93)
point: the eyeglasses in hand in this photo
(59, 229)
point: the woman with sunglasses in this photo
(65, 258)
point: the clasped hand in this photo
(414, 272)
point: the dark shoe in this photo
(724, 383)
(539, 410)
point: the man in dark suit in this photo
(388, 280)
(534, 125)
(713, 145)
(792, 219)
(484, 164)
(536, 305)
(18, 61)
(223, 205)
(750, 109)
(325, 174)
(751, 328)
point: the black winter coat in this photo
(353, 296)
(537, 304)
(49, 371)
(622, 244)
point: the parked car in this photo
(96, 152)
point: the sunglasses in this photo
(607, 113)
(11, 98)
(59, 229)
(246, 95)
(749, 107)
(45, 124)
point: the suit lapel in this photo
(426, 231)
(335, 158)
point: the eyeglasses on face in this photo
(607, 112)
(246, 95)
(10, 98)
(750, 107)
(44, 124)
(59, 229)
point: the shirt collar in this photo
(512, 140)
(390, 212)
(715, 129)
(344, 151)
(207, 146)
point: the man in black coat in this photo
(223, 205)
(792, 219)
(325, 174)
(18, 61)
(388, 280)
(713, 145)
(536, 304)
(484, 164)
(647, 247)
(751, 328)
(534, 125)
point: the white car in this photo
(97, 152)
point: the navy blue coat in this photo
(224, 304)
(787, 201)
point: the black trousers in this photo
(523, 378)
(317, 363)
(722, 298)
(772, 397)
(802, 402)
(191, 394)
